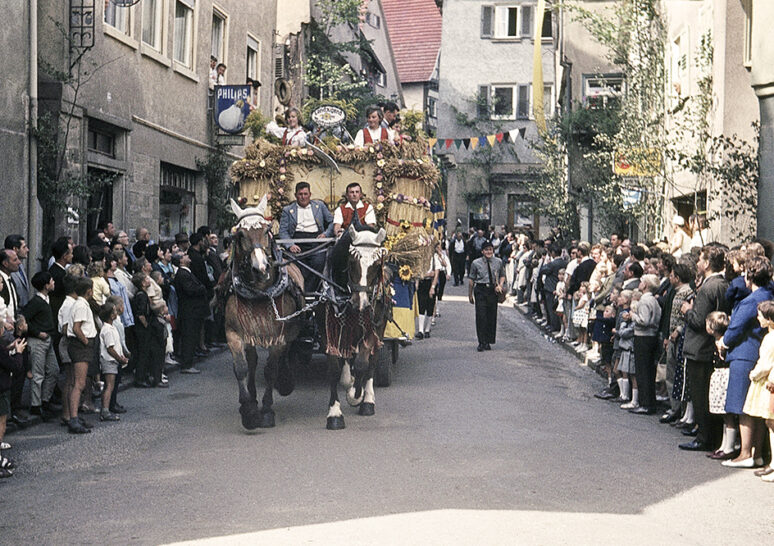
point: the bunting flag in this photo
(471, 143)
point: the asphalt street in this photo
(500, 447)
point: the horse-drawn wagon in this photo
(398, 181)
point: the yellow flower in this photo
(282, 177)
(380, 163)
(405, 273)
(257, 197)
(379, 206)
(262, 163)
(371, 149)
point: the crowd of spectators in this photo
(96, 313)
(678, 327)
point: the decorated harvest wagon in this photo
(398, 180)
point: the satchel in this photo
(501, 296)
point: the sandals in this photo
(6, 464)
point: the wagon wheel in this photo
(386, 357)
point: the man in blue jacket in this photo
(307, 218)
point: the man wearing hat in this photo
(487, 277)
(680, 242)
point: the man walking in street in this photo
(457, 247)
(487, 277)
(699, 346)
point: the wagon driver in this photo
(307, 218)
(353, 211)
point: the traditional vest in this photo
(367, 136)
(347, 214)
(288, 136)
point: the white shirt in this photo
(81, 312)
(293, 137)
(305, 220)
(459, 246)
(108, 337)
(376, 135)
(370, 215)
(12, 296)
(63, 317)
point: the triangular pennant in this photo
(466, 142)
(490, 139)
(431, 142)
(482, 141)
(473, 143)
(512, 134)
(522, 132)
(499, 137)
(449, 142)
(458, 142)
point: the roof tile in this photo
(414, 27)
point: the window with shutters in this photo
(507, 22)
(523, 101)
(502, 102)
(482, 102)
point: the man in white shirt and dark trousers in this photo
(458, 255)
(307, 218)
(487, 277)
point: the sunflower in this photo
(405, 273)
(405, 224)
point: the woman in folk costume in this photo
(293, 134)
(374, 132)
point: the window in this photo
(548, 27)
(502, 102)
(548, 100)
(152, 23)
(482, 102)
(253, 56)
(117, 17)
(218, 47)
(381, 78)
(101, 142)
(373, 20)
(506, 22)
(184, 30)
(524, 101)
(602, 91)
(432, 107)
(176, 200)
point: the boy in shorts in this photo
(111, 356)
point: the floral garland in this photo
(264, 160)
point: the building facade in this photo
(133, 107)
(486, 87)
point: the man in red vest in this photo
(344, 214)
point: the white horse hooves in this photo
(352, 400)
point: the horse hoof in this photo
(335, 423)
(266, 420)
(250, 416)
(366, 408)
(353, 399)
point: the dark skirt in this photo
(78, 351)
(738, 383)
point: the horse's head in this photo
(365, 264)
(253, 239)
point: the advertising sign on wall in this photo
(232, 106)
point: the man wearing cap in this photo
(307, 218)
(487, 277)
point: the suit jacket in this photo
(191, 295)
(57, 297)
(581, 274)
(711, 296)
(199, 269)
(22, 286)
(289, 218)
(744, 334)
(551, 272)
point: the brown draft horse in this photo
(261, 290)
(354, 333)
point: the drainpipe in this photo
(33, 213)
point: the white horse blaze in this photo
(335, 410)
(368, 391)
(258, 260)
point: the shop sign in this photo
(637, 162)
(232, 106)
